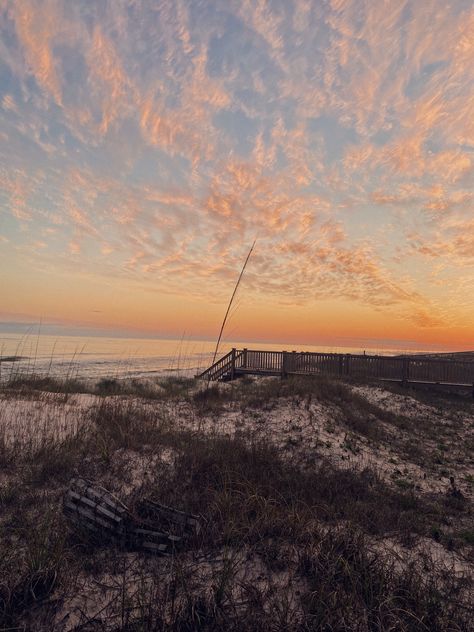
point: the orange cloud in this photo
(128, 157)
(36, 26)
(18, 186)
(109, 79)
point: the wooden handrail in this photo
(403, 368)
(226, 364)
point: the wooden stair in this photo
(223, 369)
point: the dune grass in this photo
(284, 546)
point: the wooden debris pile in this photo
(151, 527)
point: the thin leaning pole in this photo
(231, 301)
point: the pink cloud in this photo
(36, 26)
(74, 247)
(108, 79)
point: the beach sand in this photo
(415, 447)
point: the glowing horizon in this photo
(144, 146)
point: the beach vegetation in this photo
(301, 529)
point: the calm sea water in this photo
(97, 357)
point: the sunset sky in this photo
(145, 144)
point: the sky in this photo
(145, 144)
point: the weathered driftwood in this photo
(153, 527)
(92, 508)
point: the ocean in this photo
(95, 357)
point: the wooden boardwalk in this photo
(402, 369)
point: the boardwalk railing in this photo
(223, 368)
(405, 369)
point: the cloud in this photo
(452, 241)
(74, 247)
(162, 138)
(18, 187)
(8, 103)
(36, 26)
(108, 79)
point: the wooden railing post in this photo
(232, 365)
(405, 371)
(348, 363)
(244, 358)
(283, 363)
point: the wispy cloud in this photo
(36, 25)
(155, 141)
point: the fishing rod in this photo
(231, 301)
